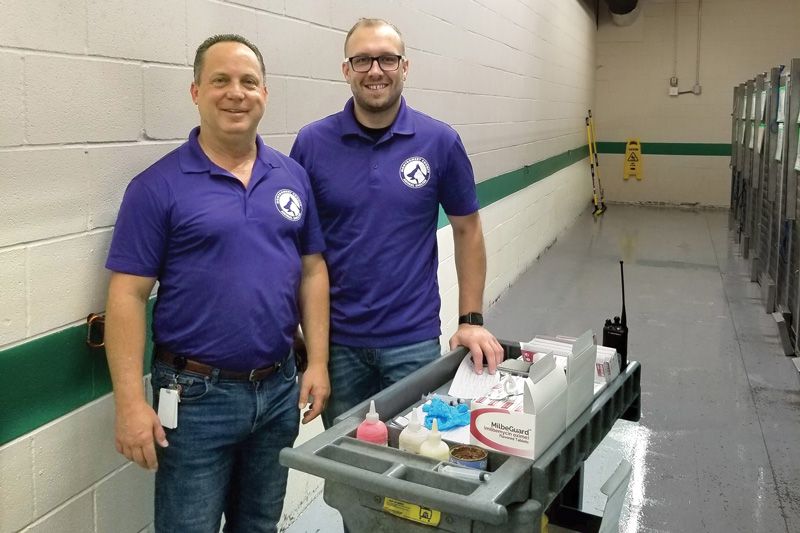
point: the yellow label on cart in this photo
(410, 511)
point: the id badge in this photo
(168, 407)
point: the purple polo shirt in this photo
(378, 205)
(228, 259)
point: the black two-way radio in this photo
(615, 334)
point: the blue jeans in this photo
(223, 456)
(359, 373)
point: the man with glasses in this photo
(379, 171)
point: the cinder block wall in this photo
(96, 90)
(739, 39)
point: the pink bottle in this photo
(372, 429)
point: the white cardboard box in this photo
(526, 424)
(580, 375)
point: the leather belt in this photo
(180, 362)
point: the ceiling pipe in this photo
(623, 12)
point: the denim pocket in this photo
(193, 386)
(288, 370)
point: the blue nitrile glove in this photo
(447, 416)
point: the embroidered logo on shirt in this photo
(415, 172)
(288, 203)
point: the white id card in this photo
(168, 407)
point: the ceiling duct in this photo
(623, 12)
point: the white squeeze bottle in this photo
(372, 429)
(413, 435)
(433, 446)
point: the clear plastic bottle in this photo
(433, 446)
(413, 435)
(372, 429)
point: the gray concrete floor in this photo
(716, 448)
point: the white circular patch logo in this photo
(289, 204)
(415, 172)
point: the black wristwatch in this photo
(473, 319)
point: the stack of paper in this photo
(467, 384)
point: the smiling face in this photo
(376, 93)
(230, 93)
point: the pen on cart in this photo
(470, 474)
(449, 400)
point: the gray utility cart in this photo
(381, 489)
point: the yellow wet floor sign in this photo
(633, 159)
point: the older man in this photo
(228, 226)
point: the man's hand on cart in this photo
(314, 385)
(481, 344)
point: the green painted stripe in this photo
(46, 378)
(716, 149)
(499, 187)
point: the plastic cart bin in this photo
(382, 489)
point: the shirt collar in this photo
(403, 123)
(194, 160)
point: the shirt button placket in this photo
(373, 171)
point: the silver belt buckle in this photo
(252, 375)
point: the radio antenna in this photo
(622, 278)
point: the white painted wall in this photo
(739, 39)
(96, 90)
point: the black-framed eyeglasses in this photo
(387, 62)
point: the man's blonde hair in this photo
(371, 23)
